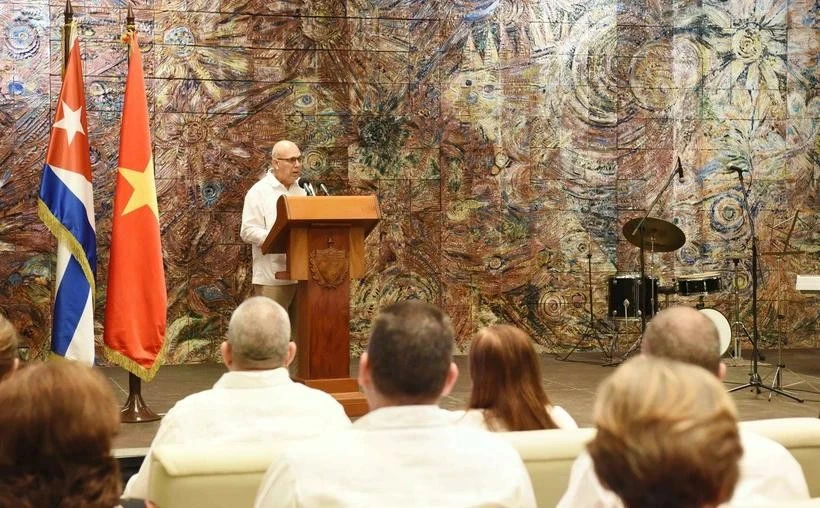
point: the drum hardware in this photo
(607, 357)
(755, 382)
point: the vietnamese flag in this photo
(135, 310)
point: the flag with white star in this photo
(66, 206)
(135, 308)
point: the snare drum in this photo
(623, 296)
(699, 284)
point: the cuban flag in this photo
(66, 206)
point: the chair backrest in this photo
(215, 475)
(208, 475)
(801, 436)
(548, 456)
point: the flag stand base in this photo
(135, 409)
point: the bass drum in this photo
(723, 327)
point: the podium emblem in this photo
(329, 267)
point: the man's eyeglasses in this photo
(292, 160)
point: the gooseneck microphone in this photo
(307, 186)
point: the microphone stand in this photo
(754, 377)
(639, 227)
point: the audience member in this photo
(768, 472)
(255, 400)
(58, 420)
(508, 392)
(406, 451)
(8, 348)
(667, 435)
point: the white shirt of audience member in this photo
(245, 407)
(768, 474)
(476, 418)
(399, 456)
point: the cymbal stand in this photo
(592, 329)
(640, 227)
(736, 355)
(777, 380)
(754, 377)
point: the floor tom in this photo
(624, 291)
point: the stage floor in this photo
(570, 384)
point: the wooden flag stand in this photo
(323, 237)
(135, 410)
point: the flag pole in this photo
(135, 410)
(68, 21)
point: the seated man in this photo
(255, 400)
(406, 451)
(768, 472)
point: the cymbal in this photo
(659, 235)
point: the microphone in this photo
(324, 189)
(305, 184)
(680, 170)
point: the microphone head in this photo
(307, 186)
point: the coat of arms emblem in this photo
(329, 267)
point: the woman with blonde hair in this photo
(667, 435)
(58, 420)
(508, 394)
(8, 348)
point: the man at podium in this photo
(258, 216)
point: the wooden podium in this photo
(323, 237)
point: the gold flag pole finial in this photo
(130, 26)
(68, 15)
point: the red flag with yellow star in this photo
(136, 305)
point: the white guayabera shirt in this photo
(401, 456)
(245, 407)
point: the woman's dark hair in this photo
(58, 420)
(507, 380)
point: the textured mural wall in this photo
(505, 140)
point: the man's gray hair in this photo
(258, 333)
(683, 334)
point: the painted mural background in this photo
(505, 140)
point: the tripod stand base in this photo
(605, 357)
(756, 384)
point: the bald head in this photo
(286, 162)
(258, 335)
(683, 334)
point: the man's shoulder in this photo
(313, 394)
(760, 445)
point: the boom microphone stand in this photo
(754, 377)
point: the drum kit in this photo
(626, 299)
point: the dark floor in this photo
(570, 384)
